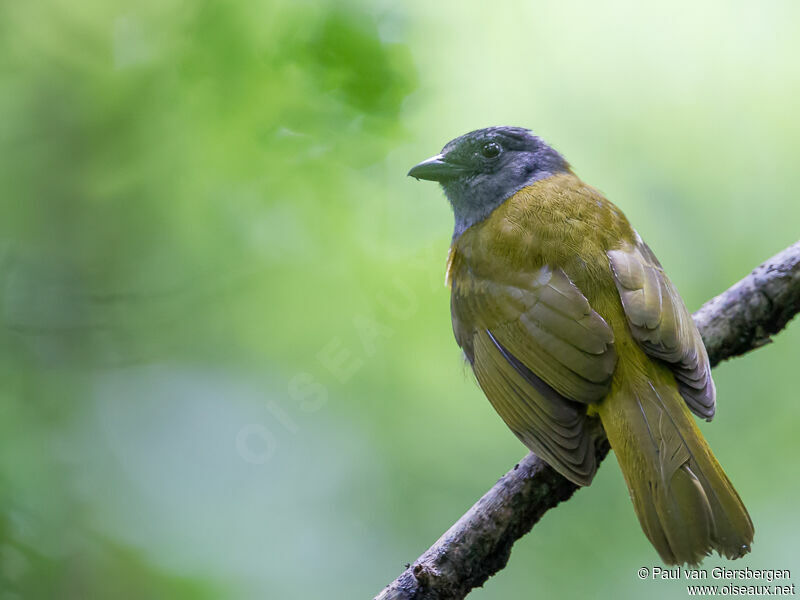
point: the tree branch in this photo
(478, 545)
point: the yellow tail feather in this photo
(685, 503)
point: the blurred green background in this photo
(226, 356)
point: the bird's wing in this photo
(662, 325)
(539, 353)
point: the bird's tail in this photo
(685, 503)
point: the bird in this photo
(566, 316)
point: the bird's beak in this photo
(436, 168)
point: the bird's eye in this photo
(490, 150)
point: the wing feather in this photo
(540, 354)
(548, 424)
(662, 325)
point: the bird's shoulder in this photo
(560, 222)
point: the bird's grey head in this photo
(485, 167)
